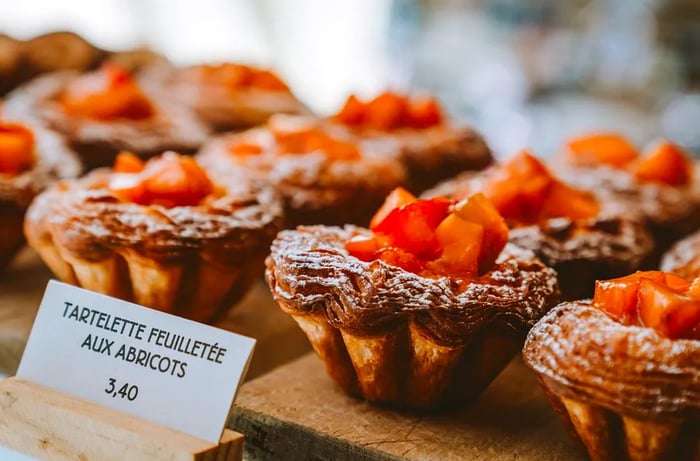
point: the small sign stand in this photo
(51, 425)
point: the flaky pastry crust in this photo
(612, 244)
(624, 391)
(98, 142)
(219, 107)
(54, 161)
(316, 189)
(401, 338)
(191, 260)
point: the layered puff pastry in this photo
(659, 182)
(324, 173)
(623, 370)
(227, 96)
(433, 146)
(164, 234)
(103, 112)
(31, 159)
(421, 312)
(583, 235)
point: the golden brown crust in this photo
(628, 369)
(98, 142)
(194, 261)
(315, 188)
(86, 219)
(220, 107)
(398, 338)
(612, 244)
(436, 153)
(53, 162)
(671, 211)
(310, 271)
(684, 257)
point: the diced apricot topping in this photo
(567, 201)
(525, 192)
(169, 180)
(396, 199)
(662, 301)
(366, 247)
(245, 148)
(126, 162)
(16, 148)
(424, 235)
(236, 76)
(401, 258)
(601, 149)
(461, 243)
(390, 111)
(479, 210)
(352, 112)
(106, 94)
(412, 227)
(298, 137)
(666, 163)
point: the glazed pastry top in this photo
(31, 158)
(310, 271)
(299, 150)
(91, 218)
(547, 215)
(107, 106)
(658, 183)
(627, 368)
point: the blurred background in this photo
(524, 72)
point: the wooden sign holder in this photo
(51, 425)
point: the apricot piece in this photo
(665, 163)
(601, 149)
(479, 210)
(127, 162)
(396, 199)
(16, 148)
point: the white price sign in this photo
(147, 363)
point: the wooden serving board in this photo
(297, 412)
(257, 316)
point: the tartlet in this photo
(422, 312)
(659, 182)
(229, 96)
(104, 112)
(623, 370)
(164, 235)
(582, 235)
(433, 147)
(324, 174)
(30, 159)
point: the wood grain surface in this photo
(297, 412)
(23, 283)
(51, 425)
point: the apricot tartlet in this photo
(230, 96)
(324, 174)
(623, 370)
(658, 181)
(30, 159)
(581, 235)
(423, 309)
(104, 112)
(433, 148)
(163, 234)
